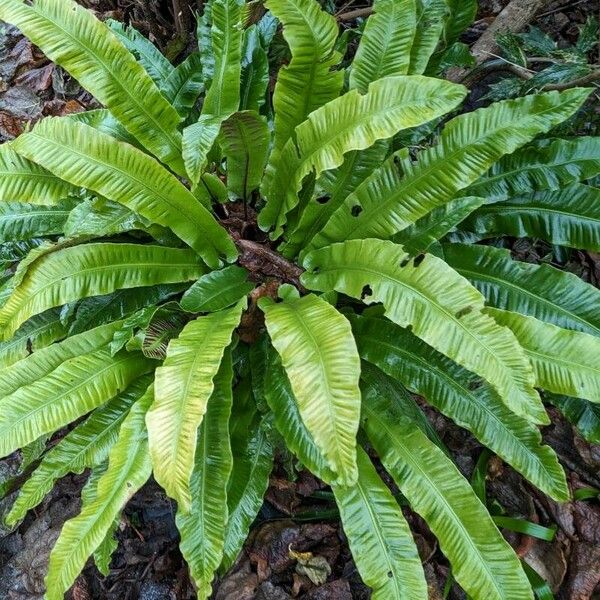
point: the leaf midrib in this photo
(454, 383)
(149, 191)
(114, 79)
(407, 457)
(112, 267)
(325, 378)
(439, 306)
(479, 275)
(432, 167)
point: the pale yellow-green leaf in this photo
(202, 528)
(379, 537)
(128, 469)
(70, 274)
(183, 386)
(442, 308)
(564, 361)
(74, 38)
(120, 172)
(319, 355)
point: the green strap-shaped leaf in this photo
(379, 537)
(252, 464)
(69, 274)
(245, 143)
(223, 95)
(354, 121)
(202, 528)
(103, 553)
(564, 362)
(567, 217)
(320, 358)
(110, 307)
(85, 447)
(461, 15)
(34, 334)
(21, 221)
(417, 238)
(128, 469)
(23, 181)
(463, 397)
(205, 47)
(333, 187)
(280, 398)
(255, 70)
(183, 386)
(217, 290)
(42, 362)
(198, 139)
(384, 50)
(98, 217)
(442, 308)
(375, 381)
(104, 121)
(70, 391)
(146, 53)
(537, 168)
(431, 16)
(385, 44)
(184, 84)
(79, 154)
(250, 480)
(482, 562)
(581, 413)
(75, 39)
(539, 291)
(309, 80)
(401, 192)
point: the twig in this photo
(259, 258)
(355, 14)
(182, 16)
(582, 81)
(502, 64)
(561, 8)
(514, 17)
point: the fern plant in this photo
(187, 288)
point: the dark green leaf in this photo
(217, 290)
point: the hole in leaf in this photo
(323, 199)
(356, 210)
(366, 292)
(404, 262)
(463, 312)
(398, 165)
(390, 574)
(475, 384)
(419, 259)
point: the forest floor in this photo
(148, 565)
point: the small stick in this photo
(355, 14)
